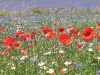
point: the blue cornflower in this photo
(30, 41)
(33, 59)
(98, 72)
(78, 65)
(2, 47)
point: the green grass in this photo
(38, 10)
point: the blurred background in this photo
(26, 5)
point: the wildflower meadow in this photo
(50, 44)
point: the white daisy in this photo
(50, 71)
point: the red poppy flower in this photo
(88, 34)
(70, 27)
(79, 47)
(24, 52)
(62, 71)
(5, 53)
(74, 32)
(52, 74)
(9, 42)
(17, 45)
(51, 35)
(98, 26)
(61, 29)
(98, 36)
(19, 34)
(13, 58)
(15, 20)
(48, 32)
(26, 37)
(65, 39)
(33, 34)
(45, 31)
(9, 39)
(99, 47)
(61, 58)
(55, 24)
(31, 46)
(2, 29)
